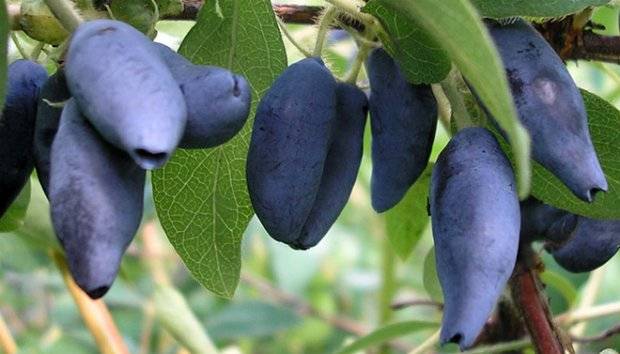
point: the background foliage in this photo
(286, 302)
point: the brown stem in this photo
(592, 46)
(578, 42)
(95, 314)
(305, 15)
(570, 42)
(527, 293)
(297, 14)
(300, 14)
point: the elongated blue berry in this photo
(550, 107)
(590, 245)
(540, 221)
(341, 166)
(289, 145)
(17, 121)
(403, 118)
(96, 196)
(475, 219)
(53, 92)
(218, 101)
(126, 90)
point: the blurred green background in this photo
(288, 301)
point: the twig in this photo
(588, 298)
(65, 12)
(325, 23)
(444, 107)
(298, 14)
(303, 309)
(592, 46)
(389, 284)
(572, 44)
(529, 297)
(291, 39)
(603, 336)
(460, 114)
(399, 305)
(360, 58)
(18, 45)
(36, 51)
(95, 313)
(7, 343)
(573, 317)
(580, 43)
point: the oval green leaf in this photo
(430, 278)
(141, 14)
(14, 217)
(422, 60)
(201, 195)
(406, 222)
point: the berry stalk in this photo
(527, 293)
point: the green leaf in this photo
(4, 36)
(169, 7)
(561, 284)
(604, 123)
(456, 25)
(14, 217)
(533, 8)
(417, 53)
(251, 319)
(406, 222)
(430, 278)
(201, 195)
(385, 334)
(141, 14)
(175, 315)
